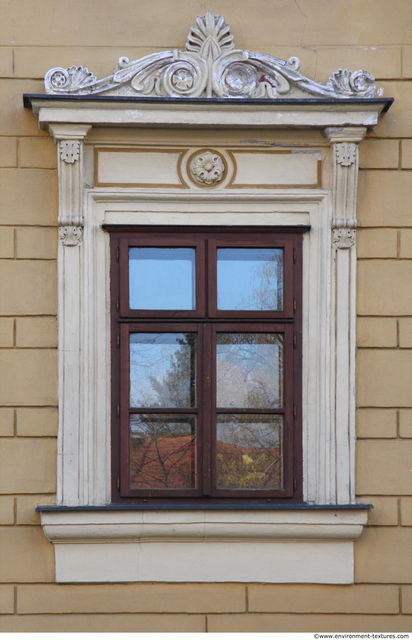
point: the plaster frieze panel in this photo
(209, 67)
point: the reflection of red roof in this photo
(163, 463)
(171, 463)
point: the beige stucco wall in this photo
(37, 35)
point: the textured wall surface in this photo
(36, 35)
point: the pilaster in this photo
(344, 142)
(69, 140)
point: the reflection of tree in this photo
(249, 374)
(162, 448)
(249, 370)
(266, 283)
(162, 370)
(162, 452)
(178, 382)
(249, 452)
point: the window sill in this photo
(311, 544)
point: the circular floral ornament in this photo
(207, 168)
(241, 79)
(182, 80)
(58, 79)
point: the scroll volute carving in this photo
(210, 67)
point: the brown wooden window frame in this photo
(206, 320)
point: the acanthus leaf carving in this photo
(70, 234)
(345, 153)
(210, 37)
(343, 238)
(209, 67)
(348, 82)
(73, 79)
(69, 150)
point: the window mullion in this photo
(207, 404)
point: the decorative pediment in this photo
(210, 67)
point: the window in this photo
(206, 356)
(111, 176)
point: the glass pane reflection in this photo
(162, 370)
(162, 278)
(250, 279)
(249, 370)
(249, 452)
(162, 452)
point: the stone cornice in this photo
(248, 114)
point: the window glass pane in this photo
(249, 370)
(162, 452)
(250, 279)
(162, 278)
(249, 452)
(162, 370)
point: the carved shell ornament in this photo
(210, 67)
(207, 168)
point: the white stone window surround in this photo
(84, 393)
(95, 543)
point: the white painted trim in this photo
(204, 546)
(167, 208)
(322, 483)
(89, 473)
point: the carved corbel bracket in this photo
(69, 140)
(345, 142)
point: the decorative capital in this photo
(71, 235)
(345, 153)
(337, 135)
(343, 238)
(69, 150)
(209, 67)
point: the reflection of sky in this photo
(151, 359)
(249, 431)
(162, 278)
(249, 279)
